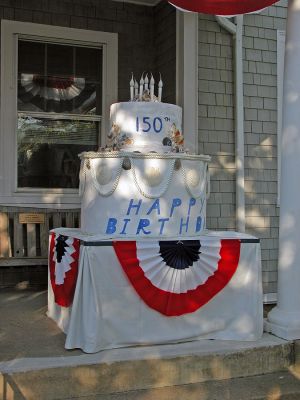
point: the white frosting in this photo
(145, 126)
(151, 199)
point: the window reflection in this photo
(59, 111)
(48, 151)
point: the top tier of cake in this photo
(146, 126)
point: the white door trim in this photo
(187, 75)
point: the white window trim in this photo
(10, 31)
(280, 77)
(187, 75)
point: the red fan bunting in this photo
(222, 7)
(56, 94)
(63, 253)
(165, 297)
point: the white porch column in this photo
(284, 319)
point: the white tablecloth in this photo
(108, 313)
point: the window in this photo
(57, 85)
(59, 112)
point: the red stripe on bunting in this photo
(63, 294)
(175, 304)
(222, 7)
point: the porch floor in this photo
(25, 330)
(30, 340)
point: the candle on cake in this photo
(160, 86)
(152, 88)
(141, 87)
(146, 82)
(131, 83)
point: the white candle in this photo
(146, 82)
(141, 87)
(131, 83)
(136, 88)
(160, 86)
(152, 88)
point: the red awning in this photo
(222, 7)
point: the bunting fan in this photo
(56, 94)
(63, 266)
(178, 277)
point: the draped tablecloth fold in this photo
(129, 293)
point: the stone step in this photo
(132, 371)
(279, 385)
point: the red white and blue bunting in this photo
(172, 277)
(56, 94)
(63, 267)
(178, 277)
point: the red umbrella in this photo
(222, 7)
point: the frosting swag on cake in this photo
(144, 184)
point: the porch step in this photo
(276, 386)
(214, 369)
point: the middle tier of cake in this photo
(143, 195)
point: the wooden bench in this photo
(24, 238)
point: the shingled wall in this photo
(216, 127)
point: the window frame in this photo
(11, 32)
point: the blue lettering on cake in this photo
(202, 201)
(143, 223)
(198, 224)
(155, 206)
(147, 125)
(162, 225)
(191, 204)
(184, 224)
(123, 231)
(157, 124)
(137, 206)
(175, 203)
(111, 226)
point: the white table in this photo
(107, 312)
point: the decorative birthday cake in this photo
(144, 183)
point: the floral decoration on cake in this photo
(117, 139)
(176, 138)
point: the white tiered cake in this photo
(144, 185)
(176, 286)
